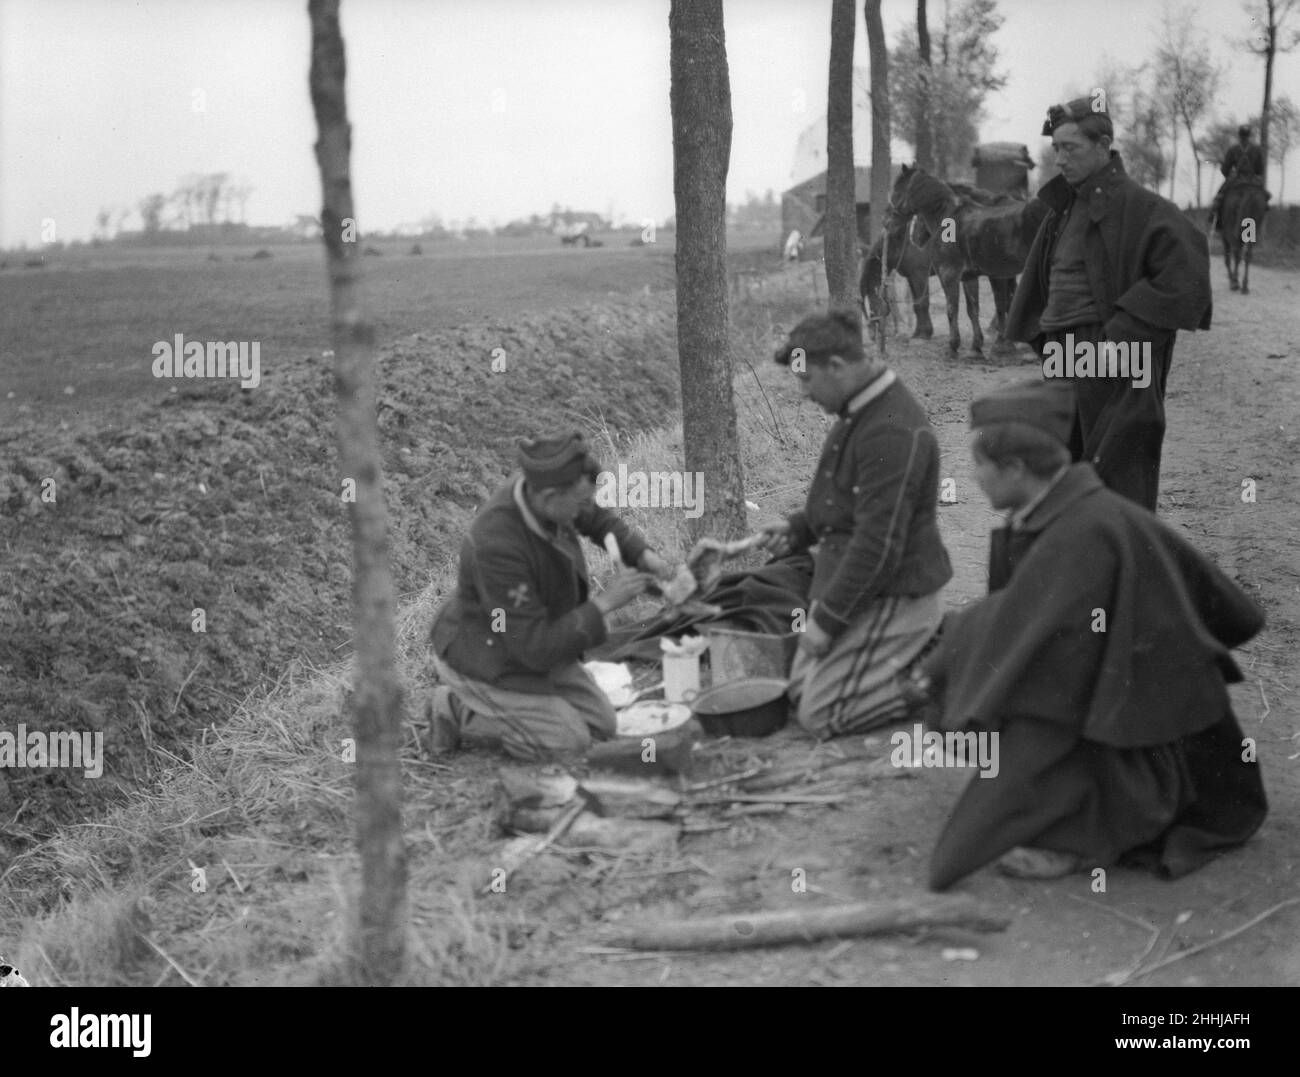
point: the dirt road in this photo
(1234, 410)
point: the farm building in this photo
(804, 204)
(1003, 167)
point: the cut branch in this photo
(751, 930)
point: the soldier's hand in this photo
(777, 539)
(622, 589)
(653, 563)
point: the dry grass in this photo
(237, 867)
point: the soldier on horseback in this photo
(1243, 163)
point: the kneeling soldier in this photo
(508, 644)
(1099, 662)
(879, 564)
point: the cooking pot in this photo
(745, 708)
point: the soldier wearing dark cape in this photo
(1101, 659)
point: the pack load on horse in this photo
(1003, 168)
(1239, 206)
(972, 234)
(1001, 177)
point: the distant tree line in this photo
(206, 200)
(1165, 106)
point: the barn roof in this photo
(990, 152)
(861, 183)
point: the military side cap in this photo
(1071, 112)
(556, 461)
(1044, 405)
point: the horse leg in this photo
(971, 286)
(950, 283)
(995, 323)
(1003, 289)
(919, 283)
(1245, 276)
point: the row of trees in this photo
(1166, 106)
(938, 87)
(937, 83)
(207, 199)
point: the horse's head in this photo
(900, 195)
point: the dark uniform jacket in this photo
(1151, 668)
(1148, 265)
(520, 609)
(1246, 161)
(871, 507)
(1117, 739)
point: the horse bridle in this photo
(907, 191)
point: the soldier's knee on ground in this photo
(556, 738)
(812, 719)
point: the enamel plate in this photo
(651, 716)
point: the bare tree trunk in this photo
(924, 137)
(1173, 157)
(839, 226)
(377, 695)
(1270, 52)
(1196, 156)
(700, 96)
(880, 163)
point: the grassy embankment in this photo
(237, 867)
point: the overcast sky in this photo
(493, 108)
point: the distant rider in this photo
(1244, 161)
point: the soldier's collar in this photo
(1016, 520)
(530, 521)
(868, 393)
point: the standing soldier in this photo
(1112, 262)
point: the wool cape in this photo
(1148, 264)
(1101, 657)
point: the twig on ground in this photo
(829, 893)
(747, 930)
(1117, 979)
(776, 423)
(1222, 938)
(233, 877)
(185, 684)
(726, 779)
(750, 798)
(163, 954)
(1262, 696)
(556, 832)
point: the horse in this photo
(912, 263)
(970, 239)
(909, 256)
(1243, 202)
